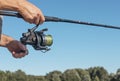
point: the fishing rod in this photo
(41, 41)
(56, 19)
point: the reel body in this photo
(37, 39)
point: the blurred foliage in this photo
(90, 74)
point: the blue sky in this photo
(74, 46)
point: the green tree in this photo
(117, 76)
(84, 75)
(96, 78)
(54, 76)
(71, 75)
(20, 75)
(10, 76)
(118, 72)
(40, 78)
(2, 76)
(30, 78)
(100, 72)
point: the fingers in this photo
(20, 54)
(30, 12)
(42, 19)
(33, 17)
(38, 19)
(17, 49)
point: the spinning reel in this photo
(37, 39)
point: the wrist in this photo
(5, 40)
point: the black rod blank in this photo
(56, 19)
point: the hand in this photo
(30, 12)
(17, 49)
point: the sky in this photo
(74, 46)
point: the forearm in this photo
(5, 40)
(13, 5)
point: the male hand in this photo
(17, 49)
(30, 12)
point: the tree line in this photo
(90, 74)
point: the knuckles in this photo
(35, 19)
